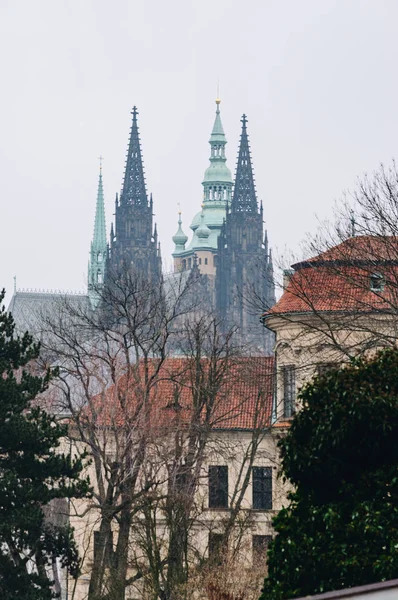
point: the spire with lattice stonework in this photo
(244, 197)
(134, 188)
(134, 243)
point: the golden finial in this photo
(179, 208)
(100, 158)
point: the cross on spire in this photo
(100, 158)
(244, 121)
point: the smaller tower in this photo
(98, 250)
(179, 239)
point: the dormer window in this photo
(377, 282)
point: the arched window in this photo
(206, 261)
(184, 264)
(189, 263)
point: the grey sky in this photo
(317, 79)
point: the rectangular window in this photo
(215, 546)
(260, 545)
(262, 488)
(100, 545)
(289, 390)
(218, 487)
(324, 368)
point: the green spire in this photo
(99, 238)
(180, 239)
(217, 181)
(98, 251)
(218, 135)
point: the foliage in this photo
(341, 454)
(32, 473)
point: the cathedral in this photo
(228, 246)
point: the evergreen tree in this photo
(33, 472)
(341, 455)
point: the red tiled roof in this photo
(243, 400)
(357, 249)
(339, 279)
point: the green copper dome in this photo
(217, 192)
(180, 239)
(203, 231)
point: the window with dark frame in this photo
(289, 390)
(218, 487)
(215, 546)
(260, 545)
(262, 488)
(324, 368)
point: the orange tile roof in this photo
(243, 399)
(364, 248)
(339, 279)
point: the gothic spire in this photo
(244, 197)
(134, 189)
(98, 251)
(99, 237)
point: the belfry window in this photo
(377, 282)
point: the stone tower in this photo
(98, 250)
(244, 282)
(133, 241)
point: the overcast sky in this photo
(316, 78)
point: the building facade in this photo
(335, 306)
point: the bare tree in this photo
(146, 381)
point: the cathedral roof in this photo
(31, 308)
